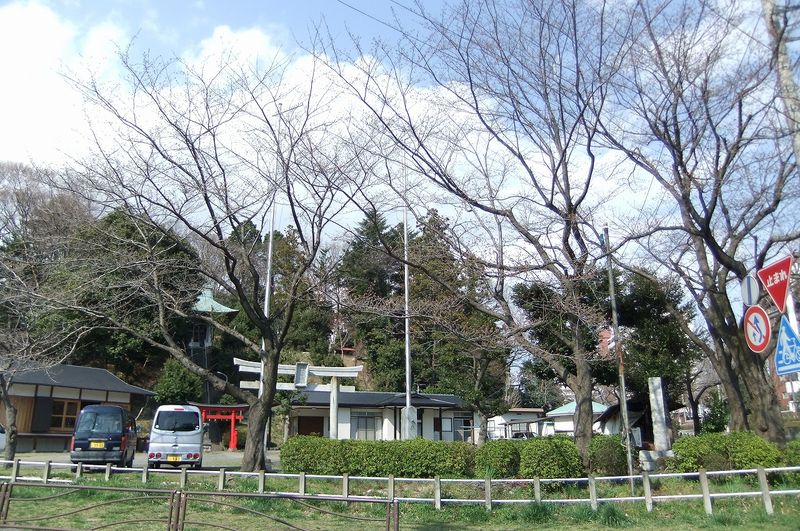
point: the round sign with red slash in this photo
(757, 329)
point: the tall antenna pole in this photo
(409, 412)
(623, 400)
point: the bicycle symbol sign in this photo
(787, 355)
(757, 328)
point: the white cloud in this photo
(42, 116)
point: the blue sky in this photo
(42, 40)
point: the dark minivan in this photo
(104, 434)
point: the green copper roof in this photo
(206, 304)
(569, 409)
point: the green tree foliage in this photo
(653, 341)
(455, 348)
(717, 416)
(176, 385)
(539, 386)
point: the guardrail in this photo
(486, 488)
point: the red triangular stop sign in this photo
(775, 278)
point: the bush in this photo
(723, 451)
(791, 453)
(550, 457)
(414, 458)
(498, 459)
(177, 385)
(607, 456)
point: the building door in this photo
(310, 425)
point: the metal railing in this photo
(486, 490)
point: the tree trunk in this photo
(484, 429)
(582, 387)
(694, 405)
(11, 431)
(258, 416)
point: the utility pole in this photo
(409, 412)
(623, 400)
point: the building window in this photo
(64, 414)
(462, 428)
(366, 426)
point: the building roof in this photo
(378, 399)
(569, 409)
(206, 304)
(78, 377)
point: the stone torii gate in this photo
(301, 372)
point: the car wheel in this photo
(198, 465)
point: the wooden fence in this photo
(642, 485)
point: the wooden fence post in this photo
(437, 493)
(5, 500)
(762, 481)
(487, 493)
(261, 478)
(46, 472)
(184, 477)
(537, 490)
(221, 479)
(396, 514)
(15, 470)
(79, 471)
(648, 494)
(390, 488)
(706, 492)
(145, 473)
(346, 486)
(592, 493)
(302, 487)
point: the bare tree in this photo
(37, 331)
(696, 112)
(194, 154)
(495, 111)
(782, 20)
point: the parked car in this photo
(176, 437)
(523, 435)
(104, 434)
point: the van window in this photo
(177, 421)
(99, 422)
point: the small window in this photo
(64, 414)
(366, 426)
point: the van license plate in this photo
(98, 444)
(172, 458)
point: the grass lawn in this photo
(140, 508)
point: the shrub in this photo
(550, 457)
(414, 458)
(791, 453)
(177, 385)
(498, 459)
(723, 451)
(607, 456)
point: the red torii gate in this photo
(224, 412)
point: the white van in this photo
(176, 437)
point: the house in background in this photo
(516, 422)
(560, 421)
(369, 415)
(48, 402)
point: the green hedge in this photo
(791, 453)
(414, 458)
(607, 456)
(723, 451)
(550, 457)
(498, 459)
